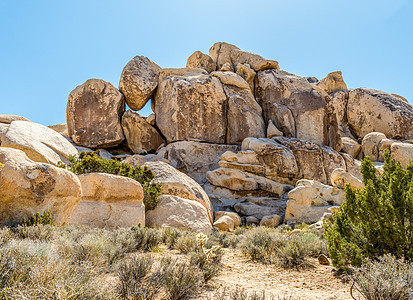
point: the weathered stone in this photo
(226, 67)
(311, 79)
(27, 188)
(201, 60)
(271, 221)
(151, 119)
(224, 223)
(273, 131)
(234, 216)
(376, 111)
(178, 184)
(353, 166)
(104, 154)
(191, 106)
(60, 128)
(370, 145)
(7, 119)
(340, 178)
(310, 199)
(350, 146)
(221, 53)
(178, 212)
(402, 152)
(93, 114)
(323, 260)
(257, 62)
(400, 97)
(333, 82)
(244, 116)
(294, 106)
(139, 160)
(245, 71)
(339, 102)
(383, 146)
(195, 159)
(3, 129)
(138, 81)
(260, 207)
(109, 201)
(230, 78)
(140, 135)
(249, 221)
(39, 142)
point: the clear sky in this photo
(47, 48)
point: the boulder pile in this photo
(233, 139)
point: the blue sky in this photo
(49, 47)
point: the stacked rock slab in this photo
(28, 187)
(294, 106)
(109, 201)
(201, 60)
(93, 114)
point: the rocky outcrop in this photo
(140, 135)
(195, 159)
(138, 81)
(271, 221)
(402, 152)
(7, 119)
(333, 82)
(257, 62)
(221, 54)
(139, 160)
(370, 145)
(309, 200)
(60, 128)
(191, 106)
(340, 178)
(245, 71)
(361, 111)
(226, 221)
(273, 131)
(93, 114)
(178, 212)
(40, 143)
(201, 60)
(3, 129)
(28, 187)
(350, 146)
(109, 201)
(295, 107)
(230, 78)
(178, 184)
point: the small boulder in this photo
(230, 78)
(257, 62)
(333, 82)
(250, 220)
(221, 53)
(234, 216)
(245, 71)
(402, 152)
(138, 81)
(323, 260)
(140, 160)
(224, 223)
(271, 221)
(7, 119)
(350, 146)
(273, 131)
(340, 178)
(201, 60)
(370, 145)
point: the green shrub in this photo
(376, 220)
(208, 267)
(294, 253)
(44, 219)
(146, 238)
(384, 278)
(260, 244)
(89, 162)
(186, 243)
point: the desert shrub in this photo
(38, 232)
(208, 267)
(180, 280)
(221, 238)
(44, 219)
(261, 243)
(146, 238)
(170, 236)
(293, 253)
(186, 243)
(376, 220)
(384, 278)
(134, 282)
(6, 235)
(89, 162)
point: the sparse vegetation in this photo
(89, 162)
(375, 221)
(44, 219)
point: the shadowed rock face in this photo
(294, 106)
(93, 114)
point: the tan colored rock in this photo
(201, 60)
(168, 72)
(224, 223)
(109, 201)
(323, 260)
(191, 107)
(226, 67)
(257, 62)
(400, 97)
(340, 178)
(178, 184)
(271, 221)
(151, 119)
(402, 152)
(28, 187)
(60, 128)
(370, 145)
(310, 199)
(178, 212)
(383, 146)
(245, 71)
(195, 159)
(350, 146)
(295, 107)
(140, 135)
(259, 207)
(221, 53)
(244, 115)
(3, 129)
(376, 111)
(273, 131)
(93, 114)
(138, 81)
(39, 142)
(250, 221)
(333, 82)
(230, 78)
(139, 160)
(234, 216)
(7, 119)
